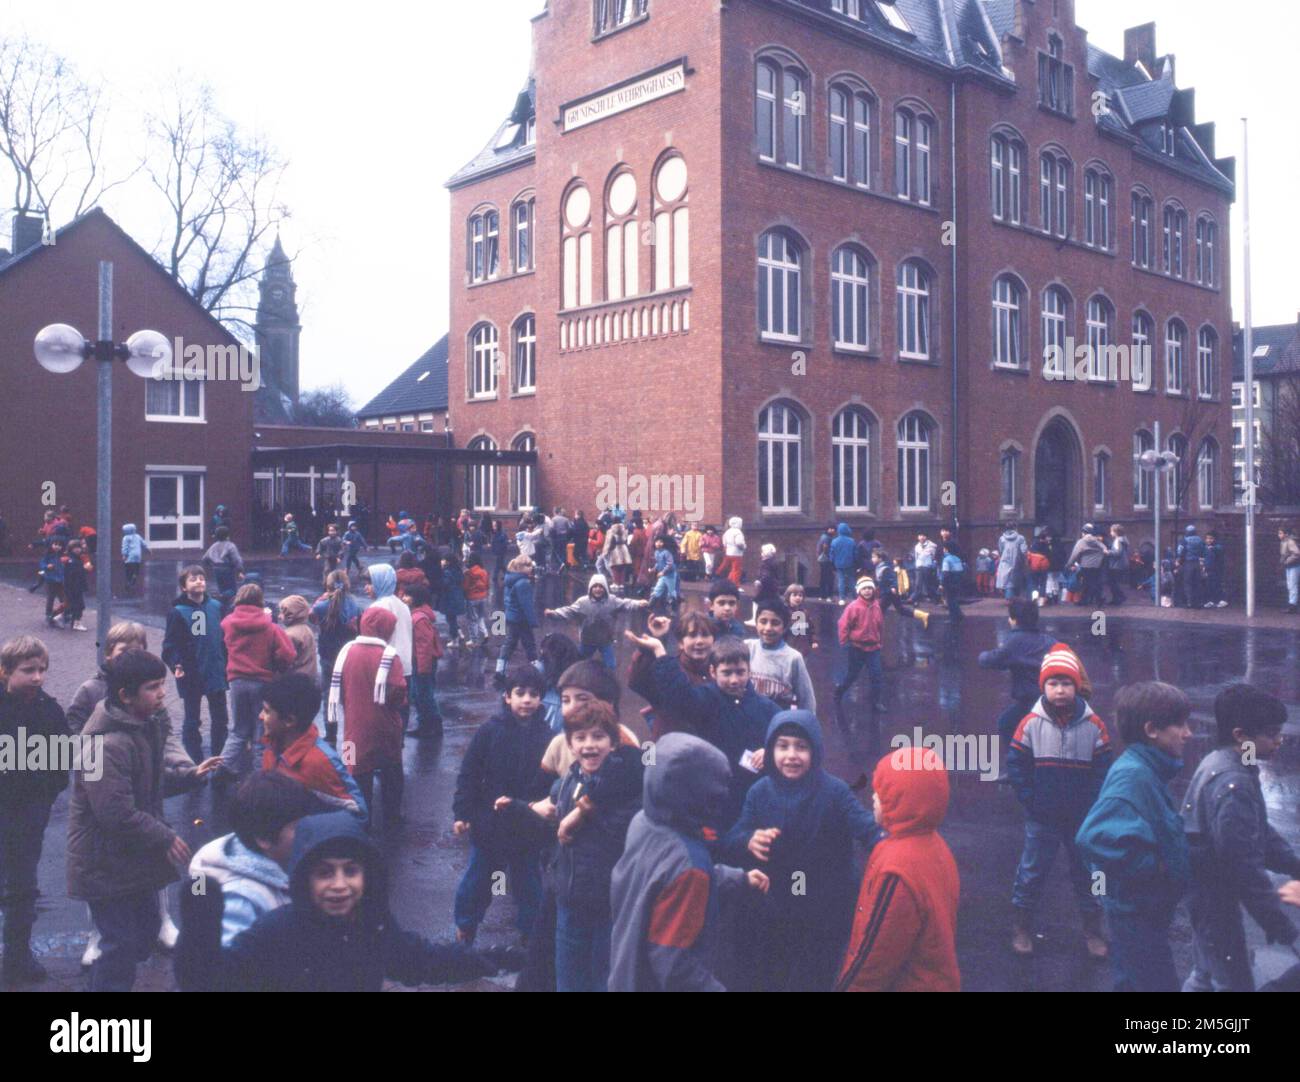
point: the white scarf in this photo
(334, 711)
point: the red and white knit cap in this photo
(1060, 660)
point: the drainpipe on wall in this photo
(952, 170)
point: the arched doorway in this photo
(1058, 479)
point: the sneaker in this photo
(92, 951)
(168, 934)
(1208, 605)
(1223, 605)
(79, 626)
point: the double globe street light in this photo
(1157, 462)
(60, 349)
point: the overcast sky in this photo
(375, 106)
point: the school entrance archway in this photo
(1058, 479)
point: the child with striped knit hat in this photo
(1058, 758)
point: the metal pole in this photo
(1156, 497)
(1249, 392)
(104, 524)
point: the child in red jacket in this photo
(905, 927)
(426, 649)
(475, 584)
(256, 649)
(861, 626)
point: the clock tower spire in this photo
(277, 327)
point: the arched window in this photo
(1142, 477)
(484, 245)
(525, 368)
(863, 106)
(672, 226)
(913, 311)
(767, 76)
(1142, 211)
(839, 133)
(851, 460)
(483, 477)
(1101, 481)
(1098, 197)
(1101, 323)
(794, 107)
(525, 482)
(1006, 167)
(1207, 473)
(913, 135)
(483, 361)
(1205, 241)
(1008, 339)
(1175, 357)
(1054, 193)
(1010, 474)
(1174, 229)
(1056, 315)
(576, 229)
(612, 14)
(780, 458)
(850, 299)
(780, 300)
(1207, 363)
(522, 217)
(1176, 476)
(914, 433)
(1140, 351)
(622, 242)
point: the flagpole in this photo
(1248, 392)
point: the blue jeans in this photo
(523, 882)
(128, 926)
(245, 704)
(606, 654)
(581, 951)
(424, 699)
(952, 593)
(1140, 957)
(857, 659)
(296, 546)
(844, 583)
(191, 738)
(1293, 585)
(1041, 841)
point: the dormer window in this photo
(1055, 79)
(612, 15)
(850, 8)
(892, 15)
(1168, 143)
(530, 131)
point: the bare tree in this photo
(1194, 424)
(222, 190)
(1279, 450)
(326, 407)
(52, 127)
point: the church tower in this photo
(277, 327)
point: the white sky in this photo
(375, 106)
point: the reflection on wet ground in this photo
(933, 682)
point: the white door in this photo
(174, 510)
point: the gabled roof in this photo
(421, 388)
(506, 148)
(1276, 349)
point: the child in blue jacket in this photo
(798, 825)
(521, 615)
(133, 549)
(1133, 837)
(194, 648)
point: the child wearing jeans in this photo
(426, 649)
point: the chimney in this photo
(1140, 44)
(28, 231)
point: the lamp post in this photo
(1157, 462)
(60, 348)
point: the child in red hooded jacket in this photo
(256, 650)
(905, 926)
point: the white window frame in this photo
(1207, 474)
(524, 482)
(178, 474)
(1207, 363)
(1100, 481)
(483, 477)
(525, 355)
(523, 246)
(903, 153)
(850, 300)
(485, 343)
(915, 454)
(1099, 326)
(860, 155)
(1140, 355)
(1175, 358)
(767, 100)
(1143, 478)
(1174, 474)
(924, 134)
(839, 125)
(851, 438)
(1008, 327)
(181, 417)
(775, 272)
(997, 174)
(913, 311)
(1009, 479)
(793, 110)
(783, 450)
(1055, 330)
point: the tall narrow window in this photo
(839, 134)
(1177, 475)
(765, 110)
(1096, 209)
(1142, 477)
(997, 177)
(923, 129)
(862, 140)
(1166, 241)
(1175, 357)
(851, 460)
(1141, 230)
(1207, 473)
(483, 361)
(1180, 236)
(622, 242)
(1055, 355)
(1007, 351)
(672, 254)
(780, 458)
(913, 312)
(577, 248)
(914, 463)
(850, 300)
(1006, 158)
(1101, 481)
(1210, 235)
(779, 288)
(1010, 479)
(1055, 79)
(903, 154)
(1100, 355)
(1054, 192)
(524, 235)
(526, 355)
(1140, 351)
(1207, 363)
(493, 243)
(525, 481)
(484, 245)
(1015, 156)
(483, 477)
(794, 108)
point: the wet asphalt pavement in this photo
(932, 680)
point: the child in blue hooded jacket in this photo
(133, 549)
(798, 825)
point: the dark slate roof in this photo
(493, 157)
(1282, 355)
(1002, 14)
(408, 393)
